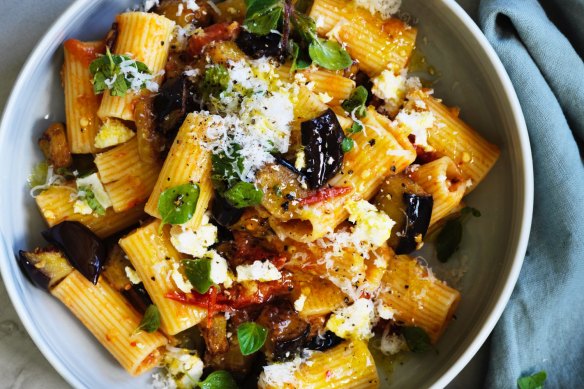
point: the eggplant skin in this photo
(257, 46)
(324, 342)
(138, 297)
(44, 267)
(85, 251)
(224, 213)
(418, 212)
(322, 138)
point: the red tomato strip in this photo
(216, 32)
(325, 194)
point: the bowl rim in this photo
(526, 202)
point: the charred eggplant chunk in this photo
(172, 104)
(410, 207)
(44, 267)
(288, 333)
(325, 341)
(257, 46)
(85, 251)
(322, 139)
(224, 213)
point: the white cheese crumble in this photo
(389, 86)
(417, 124)
(195, 243)
(258, 271)
(92, 182)
(299, 303)
(354, 321)
(132, 275)
(372, 225)
(219, 269)
(300, 162)
(385, 7)
(383, 311)
(392, 344)
(279, 375)
(112, 132)
(179, 279)
(182, 369)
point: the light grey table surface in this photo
(23, 23)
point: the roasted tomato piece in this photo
(213, 33)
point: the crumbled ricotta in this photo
(181, 367)
(132, 275)
(195, 243)
(392, 344)
(179, 280)
(113, 132)
(299, 303)
(389, 86)
(219, 269)
(385, 8)
(81, 207)
(258, 271)
(372, 225)
(417, 124)
(354, 321)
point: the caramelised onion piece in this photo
(322, 138)
(85, 251)
(44, 267)
(257, 46)
(410, 207)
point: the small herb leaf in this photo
(177, 204)
(262, 16)
(329, 55)
(448, 239)
(86, 194)
(108, 74)
(251, 337)
(298, 60)
(357, 102)
(347, 145)
(355, 128)
(151, 320)
(198, 271)
(417, 339)
(244, 194)
(219, 379)
(534, 381)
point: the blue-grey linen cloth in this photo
(542, 328)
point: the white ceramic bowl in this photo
(472, 78)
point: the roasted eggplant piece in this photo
(410, 207)
(224, 213)
(322, 138)
(215, 335)
(172, 103)
(84, 250)
(44, 267)
(54, 146)
(150, 141)
(114, 272)
(325, 341)
(288, 333)
(257, 46)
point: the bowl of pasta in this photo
(263, 193)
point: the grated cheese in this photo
(385, 8)
(113, 132)
(354, 321)
(132, 275)
(372, 225)
(258, 271)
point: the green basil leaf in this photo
(177, 205)
(303, 6)
(347, 145)
(151, 320)
(417, 339)
(99, 84)
(357, 102)
(355, 128)
(262, 16)
(329, 55)
(226, 169)
(305, 26)
(299, 60)
(535, 381)
(120, 86)
(219, 379)
(251, 337)
(198, 271)
(87, 195)
(107, 67)
(244, 194)
(448, 239)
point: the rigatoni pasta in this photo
(253, 189)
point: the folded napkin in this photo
(542, 328)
